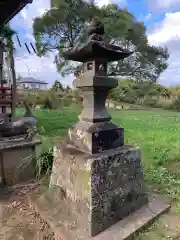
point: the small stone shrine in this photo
(96, 188)
(17, 134)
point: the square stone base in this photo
(68, 219)
(17, 161)
(89, 193)
(107, 186)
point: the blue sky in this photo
(161, 17)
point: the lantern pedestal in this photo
(94, 132)
(91, 192)
(96, 137)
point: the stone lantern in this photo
(96, 180)
(95, 132)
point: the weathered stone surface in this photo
(70, 220)
(96, 137)
(18, 127)
(109, 183)
(95, 92)
(20, 143)
(17, 161)
(140, 219)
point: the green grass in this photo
(156, 132)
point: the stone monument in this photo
(96, 188)
(17, 136)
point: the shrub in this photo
(44, 163)
(164, 103)
(67, 100)
(150, 101)
(48, 99)
(76, 94)
(176, 104)
(129, 99)
(47, 103)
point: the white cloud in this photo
(23, 14)
(142, 18)
(167, 34)
(148, 16)
(167, 30)
(25, 18)
(163, 5)
(101, 3)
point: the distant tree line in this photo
(135, 92)
(146, 93)
(128, 91)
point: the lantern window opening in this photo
(89, 66)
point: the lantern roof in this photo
(95, 48)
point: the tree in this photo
(64, 27)
(175, 90)
(162, 91)
(124, 92)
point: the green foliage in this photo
(128, 91)
(145, 93)
(47, 103)
(76, 93)
(149, 101)
(6, 33)
(175, 90)
(49, 99)
(164, 103)
(64, 27)
(176, 104)
(44, 163)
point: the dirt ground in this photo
(18, 221)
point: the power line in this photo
(26, 45)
